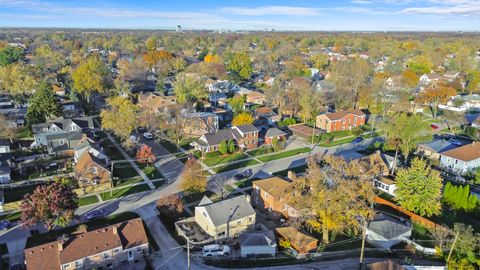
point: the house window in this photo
(250, 219)
(138, 249)
(221, 234)
(106, 255)
(78, 264)
(116, 250)
(239, 222)
(65, 266)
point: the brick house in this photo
(273, 133)
(338, 121)
(256, 97)
(155, 103)
(245, 136)
(270, 194)
(91, 163)
(107, 248)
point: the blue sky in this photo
(356, 15)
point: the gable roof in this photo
(274, 186)
(247, 128)
(219, 136)
(63, 124)
(296, 237)
(387, 227)
(220, 212)
(266, 238)
(466, 152)
(272, 132)
(86, 162)
(437, 146)
(340, 115)
(130, 233)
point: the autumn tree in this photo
(52, 204)
(9, 55)
(435, 95)
(212, 58)
(420, 65)
(237, 102)
(403, 131)
(119, 108)
(409, 78)
(419, 188)
(91, 76)
(43, 105)
(352, 75)
(188, 87)
(152, 58)
(172, 203)
(320, 61)
(335, 196)
(151, 43)
(18, 79)
(239, 64)
(466, 251)
(6, 131)
(223, 147)
(174, 124)
(192, 178)
(243, 118)
(145, 155)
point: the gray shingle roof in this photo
(272, 132)
(438, 146)
(218, 137)
(387, 226)
(266, 238)
(220, 212)
(247, 128)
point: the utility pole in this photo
(111, 179)
(188, 254)
(453, 245)
(364, 236)
(313, 132)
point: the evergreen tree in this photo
(231, 146)
(43, 105)
(223, 148)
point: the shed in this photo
(301, 242)
(258, 244)
(385, 231)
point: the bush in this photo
(223, 148)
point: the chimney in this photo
(60, 245)
(115, 230)
(247, 197)
(291, 175)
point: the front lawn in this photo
(236, 165)
(215, 158)
(86, 200)
(260, 151)
(150, 171)
(121, 192)
(284, 154)
(171, 147)
(124, 171)
(11, 216)
(22, 134)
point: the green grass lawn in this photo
(121, 192)
(22, 134)
(215, 158)
(124, 171)
(171, 147)
(195, 197)
(11, 216)
(151, 172)
(284, 154)
(337, 142)
(86, 200)
(299, 169)
(43, 238)
(237, 165)
(260, 151)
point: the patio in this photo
(189, 229)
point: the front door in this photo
(130, 255)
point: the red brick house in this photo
(270, 194)
(338, 121)
(273, 133)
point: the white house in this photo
(426, 79)
(385, 184)
(257, 243)
(461, 159)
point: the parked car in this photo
(454, 142)
(148, 135)
(5, 225)
(357, 140)
(243, 175)
(215, 250)
(95, 214)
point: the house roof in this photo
(272, 132)
(385, 265)
(247, 128)
(220, 212)
(265, 238)
(205, 200)
(437, 146)
(340, 115)
(274, 186)
(219, 136)
(86, 162)
(466, 152)
(255, 94)
(388, 227)
(297, 238)
(128, 234)
(264, 111)
(63, 124)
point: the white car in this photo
(148, 135)
(215, 250)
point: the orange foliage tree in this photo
(145, 155)
(212, 58)
(154, 57)
(435, 95)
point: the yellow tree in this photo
(120, 116)
(435, 95)
(192, 178)
(409, 78)
(243, 118)
(91, 76)
(212, 58)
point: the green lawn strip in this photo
(185, 144)
(171, 147)
(11, 216)
(17, 193)
(337, 142)
(299, 169)
(236, 165)
(150, 171)
(215, 158)
(22, 134)
(121, 192)
(284, 154)
(86, 200)
(44, 238)
(260, 151)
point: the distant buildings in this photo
(179, 29)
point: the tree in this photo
(435, 95)
(152, 58)
(403, 130)
(459, 197)
(320, 61)
(52, 204)
(18, 79)
(243, 118)
(239, 65)
(151, 43)
(212, 58)
(338, 192)
(43, 105)
(231, 146)
(409, 78)
(189, 88)
(6, 132)
(174, 124)
(120, 116)
(473, 81)
(419, 188)
(420, 65)
(192, 178)
(173, 203)
(237, 102)
(145, 155)
(466, 251)
(352, 75)
(223, 147)
(91, 76)
(9, 55)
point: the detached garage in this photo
(257, 244)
